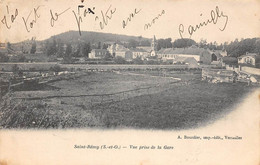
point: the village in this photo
(104, 82)
(216, 65)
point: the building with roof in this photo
(199, 54)
(138, 52)
(126, 54)
(249, 59)
(98, 53)
(143, 52)
(190, 61)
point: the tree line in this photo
(235, 48)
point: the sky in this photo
(232, 19)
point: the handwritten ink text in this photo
(130, 17)
(148, 25)
(105, 17)
(214, 14)
(13, 17)
(33, 21)
(55, 17)
(78, 17)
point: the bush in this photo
(138, 60)
(55, 68)
(120, 60)
(3, 57)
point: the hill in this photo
(94, 37)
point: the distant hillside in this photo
(94, 37)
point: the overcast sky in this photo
(237, 19)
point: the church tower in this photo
(154, 46)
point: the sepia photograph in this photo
(140, 68)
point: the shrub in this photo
(55, 68)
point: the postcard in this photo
(129, 82)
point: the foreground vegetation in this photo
(169, 104)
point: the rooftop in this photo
(190, 50)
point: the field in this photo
(123, 99)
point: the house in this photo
(137, 52)
(98, 53)
(126, 54)
(116, 49)
(249, 59)
(190, 61)
(199, 54)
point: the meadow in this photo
(123, 99)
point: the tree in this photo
(168, 43)
(60, 49)
(138, 61)
(140, 39)
(108, 56)
(238, 48)
(183, 43)
(68, 49)
(257, 46)
(33, 49)
(132, 43)
(120, 60)
(86, 49)
(203, 43)
(68, 54)
(145, 43)
(54, 47)
(77, 53)
(105, 46)
(9, 47)
(99, 45)
(51, 48)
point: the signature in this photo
(130, 17)
(214, 14)
(78, 16)
(13, 17)
(30, 24)
(105, 17)
(55, 17)
(148, 25)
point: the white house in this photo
(98, 53)
(199, 54)
(249, 59)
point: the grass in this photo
(178, 108)
(174, 106)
